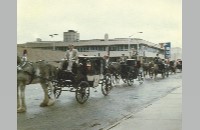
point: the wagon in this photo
(88, 72)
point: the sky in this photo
(159, 20)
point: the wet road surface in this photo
(99, 111)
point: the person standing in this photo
(157, 59)
(107, 60)
(123, 58)
(72, 56)
(24, 55)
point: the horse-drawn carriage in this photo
(131, 70)
(161, 68)
(127, 71)
(88, 72)
(154, 68)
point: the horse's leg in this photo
(46, 98)
(46, 101)
(155, 75)
(145, 72)
(151, 73)
(52, 96)
(22, 104)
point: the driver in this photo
(72, 56)
(157, 59)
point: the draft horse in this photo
(32, 73)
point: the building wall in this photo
(99, 47)
(176, 53)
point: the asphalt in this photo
(163, 114)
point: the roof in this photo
(94, 42)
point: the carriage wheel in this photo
(130, 80)
(83, 92)
(106, 85)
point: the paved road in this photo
(99, 111)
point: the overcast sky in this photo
(159, 20)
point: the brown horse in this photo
(32, 73)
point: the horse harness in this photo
(31, 74)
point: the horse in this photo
(172, 67)
(148, 69)
(32, 73)
(114, 68)
(160, 68)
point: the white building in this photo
(132, 47)
(176, 53)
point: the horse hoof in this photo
(43, 104)
(20, 110)
(51, 102)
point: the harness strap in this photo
(32, 73)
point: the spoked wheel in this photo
(83, 92)
(130, 80)
(106, 85)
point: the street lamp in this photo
(52, 35)
(129, 46)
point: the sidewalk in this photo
(164, 114)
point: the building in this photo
(176, 53)
(70, 36)
(131, 47)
